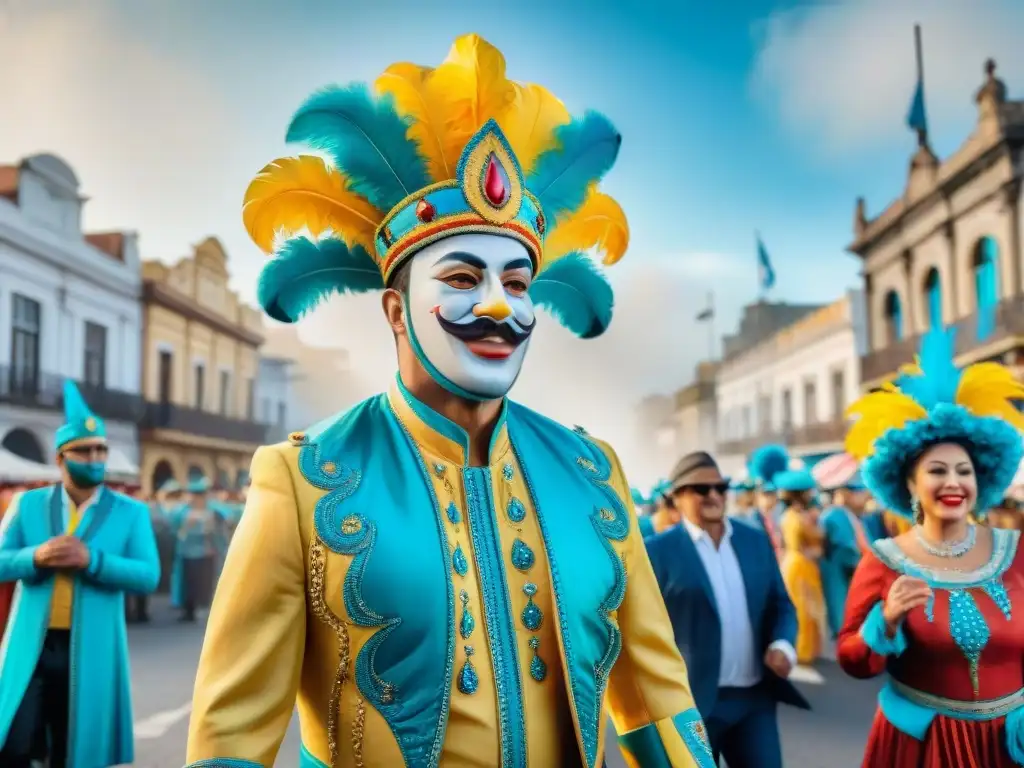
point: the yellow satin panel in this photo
(649, 681)
(63, 583)
(802, 578)
(249, 670)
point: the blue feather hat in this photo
(427, 153)
(765, 463)
(935, 402)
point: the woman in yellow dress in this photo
(804, 542)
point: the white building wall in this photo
(45, 257)
(795, 356)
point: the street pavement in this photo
(164, 656)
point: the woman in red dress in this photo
(941, 606)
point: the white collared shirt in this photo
(741, 661)
(67, 502)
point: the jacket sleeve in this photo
(649, 697)
(863, 644)
(137, 569)
(17, 561)
(784, 626)
(252, 655)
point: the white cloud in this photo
(842, 74)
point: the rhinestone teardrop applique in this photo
(522, 556)
(425, 212)
(467, 624)
(459, 562)
(454, 516)
(508, 472)
(496, 183)
(516, 510)
(532, 617)
(468, 681)
(538, 669)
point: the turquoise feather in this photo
(367, 140)
(939, 378)
(767, 462)
(304, 273)
(562, 176)
(577, 294)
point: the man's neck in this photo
(477, 418)
(79, 495)
(715, 529)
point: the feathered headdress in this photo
(933, 402)
(429, 153)
(767, 462)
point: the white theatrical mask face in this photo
(469, 312)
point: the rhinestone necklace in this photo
(951, 549)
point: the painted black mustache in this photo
(485, 326)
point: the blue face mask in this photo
(86, 474)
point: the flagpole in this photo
(922, 133)
(711, 327)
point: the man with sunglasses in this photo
(73, 550)
(733, 620)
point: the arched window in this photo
(986, 273)
(933, 298)
(893, 317)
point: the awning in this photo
(15, 469)
(120, 467)
(832, 472)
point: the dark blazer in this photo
(691, 607)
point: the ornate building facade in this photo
(69, 309)
(950, 245)
(200, 367)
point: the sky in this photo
(738, 118)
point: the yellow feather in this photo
(470, 88)
(599, 223)
(875, 413)
(296, 193)
(989, 389)
(529, 122)
(414, 90)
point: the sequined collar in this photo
(1004, 549)
(440, 436)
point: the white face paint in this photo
(469, 313)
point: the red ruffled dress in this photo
(956, 689)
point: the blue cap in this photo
(170, 486)
(855, 483)
(198, 484)
(795, 481)
(80, 423)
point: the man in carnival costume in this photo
(74, 549)
(439, 575)
(763, 466)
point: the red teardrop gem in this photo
(494, 184)
(425, 211)
(540, 223)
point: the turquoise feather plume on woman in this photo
(326, 221)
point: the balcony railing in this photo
(203, 423)
(32, 389)
(793, 438)
(1009, 321)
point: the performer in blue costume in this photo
(439, 575)
(199, 542)
(845, 542)
(74, 549)
(763, 466)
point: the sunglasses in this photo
(704, 489)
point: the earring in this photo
(915, 505)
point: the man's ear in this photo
(394, 310)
